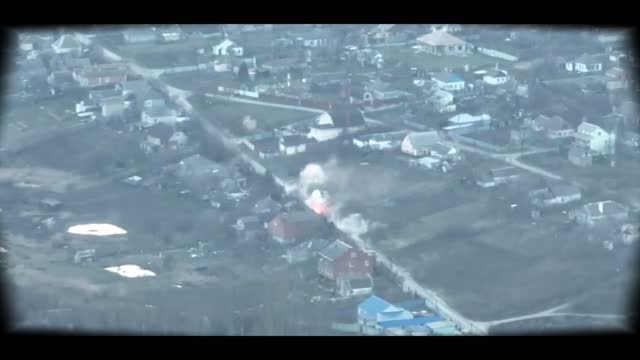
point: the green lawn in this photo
(436, 63)
(230, 115)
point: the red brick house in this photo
(341, 260)
(101, 75)
(287, 228)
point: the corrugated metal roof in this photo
(440, 38)
(374, 305)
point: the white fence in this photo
(497, 54)
(251, 94)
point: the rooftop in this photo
(335, 250)
(66, 42)
(608, 207)
(374, 305)
(447, 77)
(417, 321)
(423, 139)
(440, 38)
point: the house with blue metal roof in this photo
(448, 81)
(375, 309)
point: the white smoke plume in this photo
(249, 123)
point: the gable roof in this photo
(440, 38)
(423, 139)
(564, 190)
(447, 77)
(589, 59)
(267, 145)
(335, 250)
(66, 42)
(588, 128)
(607, 207)
(374, 305)
(295, 140)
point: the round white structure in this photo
(96, 230)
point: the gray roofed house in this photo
(305, 251)
(440, 42)
(140, 35)
(600, 212)
(418, 143)
(555, 194)
(335, 250)
(66, 44)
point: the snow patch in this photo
(130, 271)
(96, 230)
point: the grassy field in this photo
(201, 81)
(157, 56)
(230, 115)
(435, 63)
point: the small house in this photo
(67, 44)
(498, 176)
(595, 138)
(158, 136)
(101, 75)
(382, 141)
(340, 259)
(84, 256)
(358, 286)
(448, 81)
(555, 194)
(250, 228)
(374, 310)
(112, 106)
(585, 64)
(227, 47)
(419, 143)
(441, 42)
(294, 144)
(140, 35)
(339, 121)
(599, 212)
(287, 228)
(554, 127)
(265, 147)
(495, 77)
(305, 251)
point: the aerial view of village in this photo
(272, 179)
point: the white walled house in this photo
(293, 144)
(595, 138)
(495, 77)
(585, 64)
(328, 126)
(228, 47)
(448, 81)
(112, 106)
(419, 143)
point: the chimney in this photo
(601, 207)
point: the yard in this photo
(163, 55)
(436, 63)
(201, 81)
(233, 116)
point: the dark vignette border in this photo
(77, 14)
